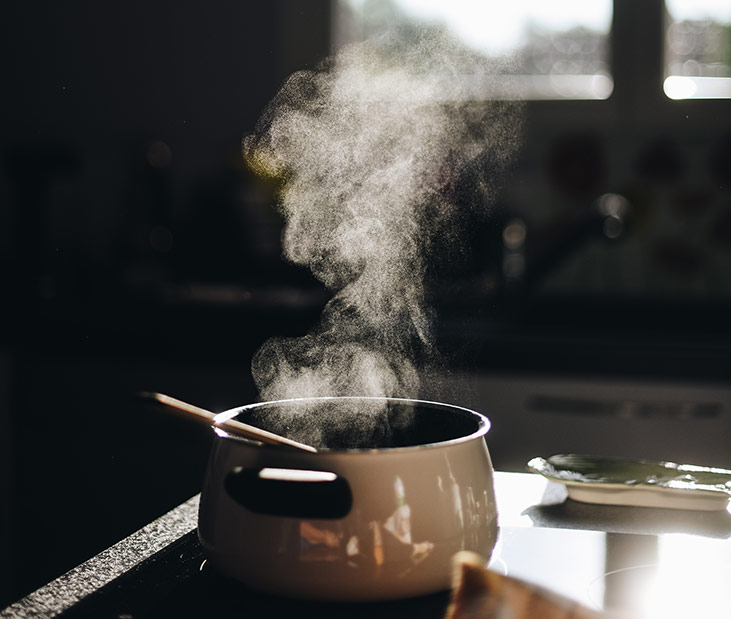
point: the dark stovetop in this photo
(177, 582)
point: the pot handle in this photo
(296, 493)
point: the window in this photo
(698, 49)
(557, 50)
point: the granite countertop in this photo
(92, 575)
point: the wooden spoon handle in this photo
(231, 426)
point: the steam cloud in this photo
(375, 149)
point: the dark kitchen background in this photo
(137, 252)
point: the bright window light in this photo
(679, 87)
(698, 49)
(558, 49)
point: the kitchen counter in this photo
(577, 549)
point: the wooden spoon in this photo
(231, 426)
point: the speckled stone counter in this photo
(92, 575)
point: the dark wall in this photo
(130, 234)
(122, 131)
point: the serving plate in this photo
(619, 481)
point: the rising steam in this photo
(375, 149)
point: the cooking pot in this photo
(396, 488)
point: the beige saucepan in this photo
(395, 489)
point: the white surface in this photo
(520, 431)
(646, 496)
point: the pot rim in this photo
(483, 424)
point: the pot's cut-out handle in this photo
(295, 493)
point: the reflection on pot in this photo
(399, 523)
(320, 543)
(390, 539)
